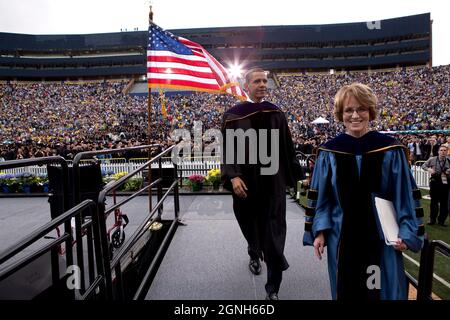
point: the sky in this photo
(102, 16)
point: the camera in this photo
(435, 177)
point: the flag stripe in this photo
(219, 66)
(153, 53)
(177, 65)
(188, 43)
(220, 76)
(179, 60)
(170, 76)
(181, 71)
(182, 87)
(187, 83)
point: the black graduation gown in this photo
(262, 215)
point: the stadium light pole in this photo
(149, 130)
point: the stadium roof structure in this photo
(390, 43)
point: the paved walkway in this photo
(208, 259)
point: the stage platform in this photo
(207, 257)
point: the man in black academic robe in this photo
(259, 179)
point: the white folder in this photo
(388, 220)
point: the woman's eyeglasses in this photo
(359, 110)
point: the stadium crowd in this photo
(40, 119)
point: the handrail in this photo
(39, 233)
(86, 154)
(102, 212)
(426, 270)
(442, 247)
(33, 256)
(131, 197)
(141, 229)
(101, 231)
(65, 205)
(424, 281)
(108, 159)
(31, 161)
(411, 280)
(67, 237)
(138, 233)
(114, 185)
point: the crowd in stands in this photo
(417, 99)
(41, 119)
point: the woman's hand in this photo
(319, 244)
(400, 245)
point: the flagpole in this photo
(149, 131)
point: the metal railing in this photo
(67, 237)
(425, 278)
(193, 165)
(12, 165)
(115, 264)
(83, 228)
(422, 177)
(54, 246)
(45, 161)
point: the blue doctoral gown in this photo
(380, 167)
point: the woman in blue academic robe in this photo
(349, 170)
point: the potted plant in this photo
(5, 181)
(43, 183)
(196, 182)
(133, 184)
(115, 177)
(29, 181)
(213, 178)
(14, 183)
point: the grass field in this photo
(441, 263)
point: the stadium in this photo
(79, 103)
(400, 42)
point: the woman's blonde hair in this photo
(362, 93)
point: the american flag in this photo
(176, 62)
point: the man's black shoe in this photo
(272, 296)
(442, 224)
(431, 222)
(255, 266)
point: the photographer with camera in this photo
(439, 168)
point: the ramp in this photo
(207, 259)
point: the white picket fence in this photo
(421, 176)
(187, 168)
(111, 167)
